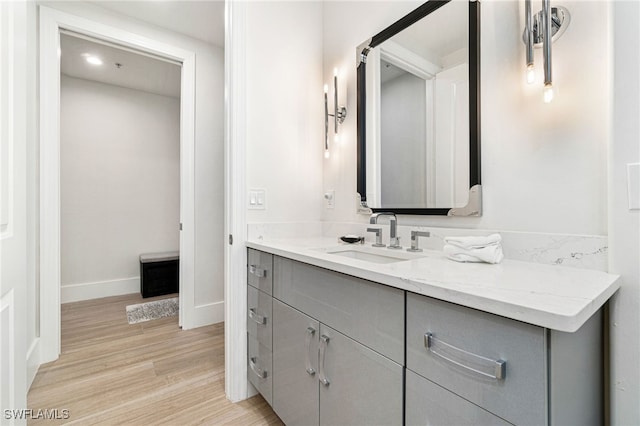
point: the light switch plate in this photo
(257, 199)
(633, 185)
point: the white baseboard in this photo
(96, 290)
(208, 314)
(33, 361)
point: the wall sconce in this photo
(339, 113)
(542, 29)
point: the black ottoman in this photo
(159, 273)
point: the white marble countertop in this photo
(555, 297)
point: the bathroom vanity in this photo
(335, 337)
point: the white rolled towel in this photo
(474, 249)
(470, 243)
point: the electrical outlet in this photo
(329, 199)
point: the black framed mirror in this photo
(418, 118)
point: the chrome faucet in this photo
(394, 240)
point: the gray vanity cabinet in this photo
(333, 339)
(325, 348)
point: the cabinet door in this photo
(430, 404)
(358, 385)
(295, 365)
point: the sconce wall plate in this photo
(560, 19)
(339, 113)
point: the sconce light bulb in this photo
(326, 153)
(335, 72)
(336, 138)
(326, 88)
(548, 93)
(531, 74)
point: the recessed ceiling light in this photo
(93, 60)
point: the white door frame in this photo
(235, 266)
(51, 21)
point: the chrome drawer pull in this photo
(498, 367)
(324, 341)
(307, 345)
(257, 271)
(257, 370)
(259, 319)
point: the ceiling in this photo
(137, 71)
(202, 19)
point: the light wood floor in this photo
(114, 373)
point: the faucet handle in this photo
(414, 239)
(378, 232)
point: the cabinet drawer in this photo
(260, 270)
(259, 316)
(259, 372)
(430, 404)
(371, 313)
(464, 347)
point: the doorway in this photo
(119, 170)
(52, 23)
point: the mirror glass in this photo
(417, 87)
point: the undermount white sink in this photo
(370, 254)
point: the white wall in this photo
(543, 165)
(284, 134)
(119, 184)
(209, 160)
(624, 224)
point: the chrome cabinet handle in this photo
(307, 345)
(257, 271)
(324, 341)
(257, 370)
(259, 319)
(496, 369)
